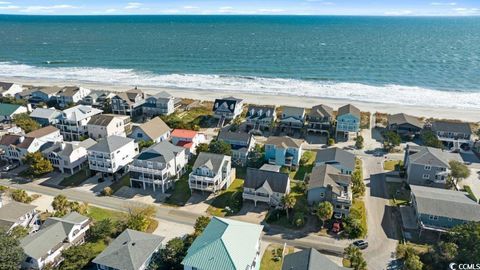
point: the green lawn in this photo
(271, 260)
(397, 194)
(97, 214)
(389, 165)
(308, 159)
(359, 211)
(76, 179)
(231, 197)
(181, 192)
(297, 190)
(122, 182)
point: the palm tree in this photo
(288, 202)
(325, 211)
(355, 257)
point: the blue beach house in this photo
(283, 151)
(348, 119)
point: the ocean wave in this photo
(388, 94)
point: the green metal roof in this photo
(224, 244)
(8, 109)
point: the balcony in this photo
(256, 197)
(134, 168)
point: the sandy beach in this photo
(470, 115)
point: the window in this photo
(426, 176)
(322, 194)
(428, 167)
(432, 217)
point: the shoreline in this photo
(469, 115)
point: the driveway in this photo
(198, 203)
(251, 213)
(473, 181)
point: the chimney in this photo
(62, 146)
(21, 139)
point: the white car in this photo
(9, 167)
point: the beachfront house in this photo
(104, 125)
(241, 143)
(211, 172)
(46, 116)
(227, 109)
(439, 210)
(15, 214)
(154, 130)
(70, 95)
(320, 119)
(348, 120)
(9, 89)
(97, 99)
(43, 94)
(260, 117)
(16, 147)
(188, 139)
(266, 184)
(160, 104)
(158, 167)
(404, 125)
(8, 111)
(283, 151)
(292, 119)
(111, 155)
(309, 259)
(327, 183)
(131, 250)
(453, 134)
(55, 235)
(341, 159)
(428, 166)
(69, 157)
(129, 102)
(225, 244)
(73, 122)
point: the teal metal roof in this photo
(8, 109)
(224, 244)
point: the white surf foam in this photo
(389, 94)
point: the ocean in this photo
(425, 61)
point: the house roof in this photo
(130, 250)
(45, 113)
(210, 160)
(293, 111)
(349, 109)
(47, 89)
(53, 232)
(326, 175)
(130, 95)
(110, 144)
(445, 203)
(13, 211)
(183, 133)
(234, 136)
(5, 85)
(401, 118)
(69, 91)
(164, 95)
(228, 103)
(256, 178)
(80, 112)
(256, 111)
(448, 126)
(341, 156)
(16, 140)
(309, 259)
(284, 142)
(8, 109)
(270, 167)
(220, 247)
(321, 111)
(69, 147)
(161, 152)
(154, 128)
(433, 156)
(104, 119)
(39, 133)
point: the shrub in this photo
(298, 219)
(107, 191)
(21, 195)
(472, 196)
(331, 141)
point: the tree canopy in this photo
(11, 254)
(38, 164)
(391, 140)
(458, 170)
(325, 210)
(429, 139)
(25, 122)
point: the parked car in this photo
(9, 167)
(361, 244)
(337, 216)
(336, 227)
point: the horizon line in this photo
(245, 14)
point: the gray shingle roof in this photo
(401, 118)
(293, 111)
(326, 175)
(433, 156)
(234, 136)
(5, 85)
(321, 111)
(45, 113)
(285, 142)
(154, 128)
(210, 160)
(161, 152)
(349, 108)
(256, 178)
(13, 211)
(255, 111)
(130, 250)
(345, 158)
(110, 144)
(309, 259)
(445, 203)
(447, 126)
(164, 95)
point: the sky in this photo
(252, 7)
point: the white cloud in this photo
(9, 7)
(225, 8)
(398, 13)
(467, 11)
(33, 9)
(443, 3)
(271, 10)
(190, 7)
(5, 3)
(133, 5)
